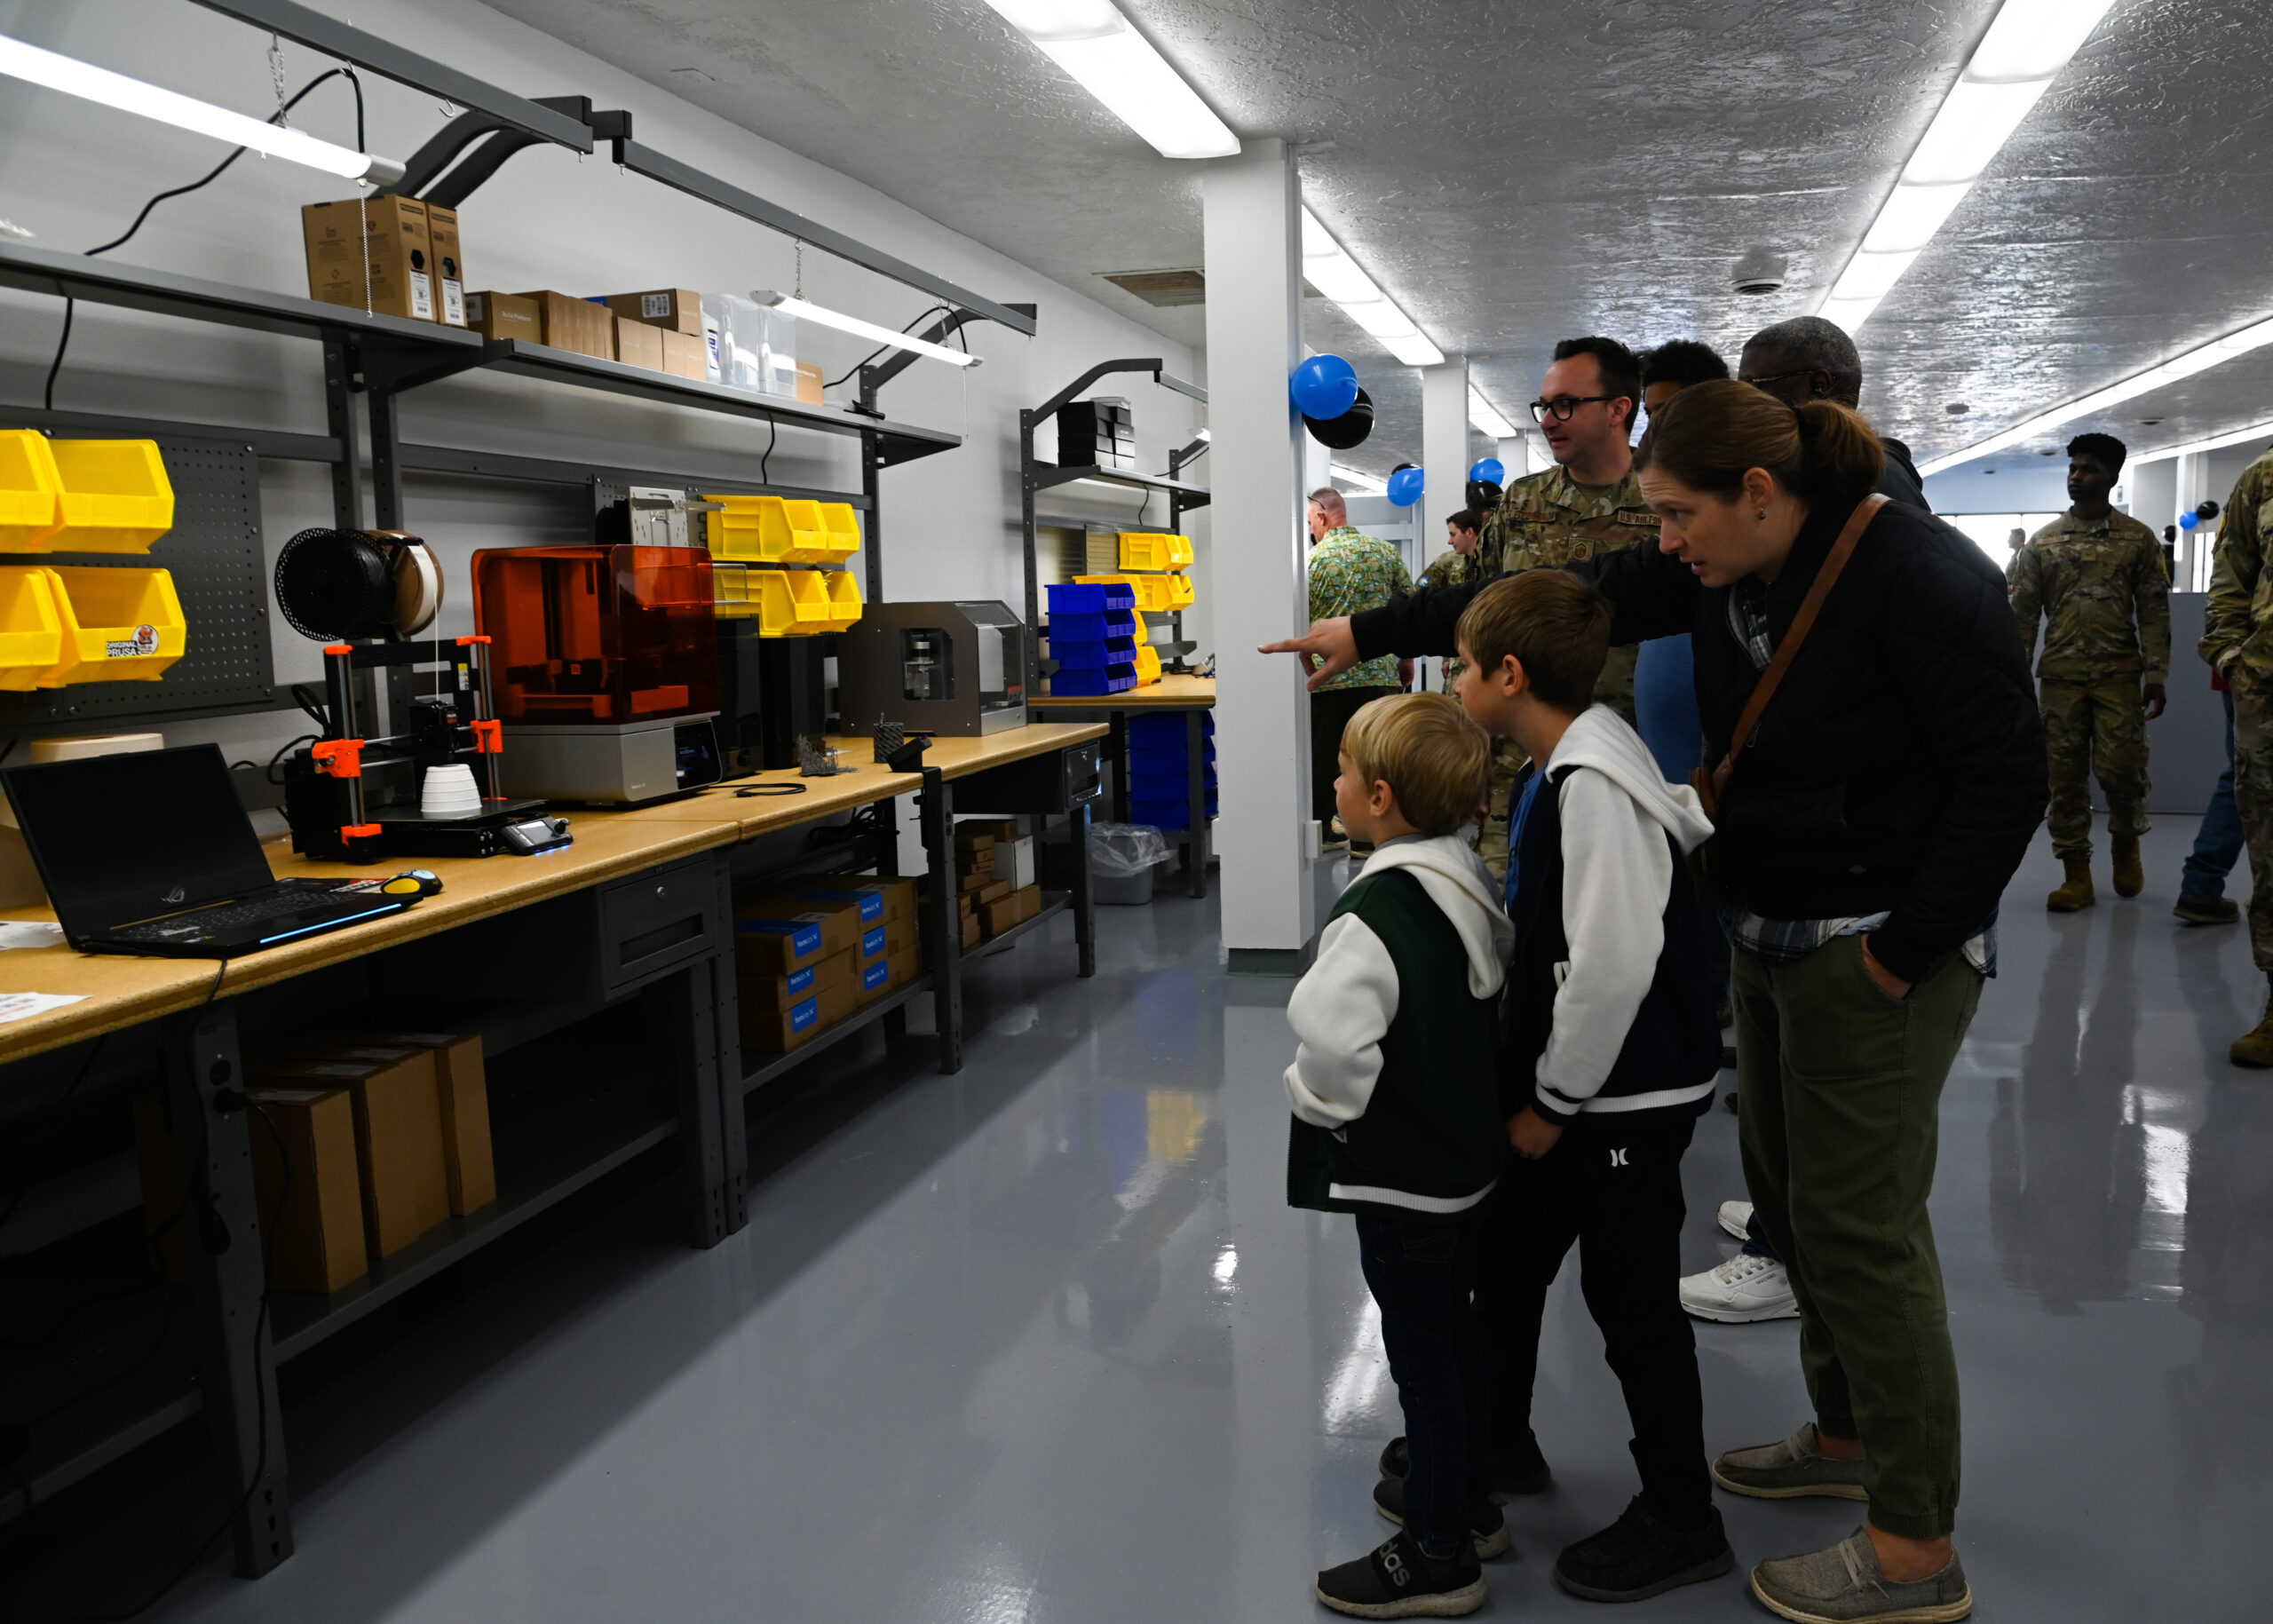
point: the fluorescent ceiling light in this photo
(1365, 482)
(76, 78)
(2216, 442)
(2198, 360)
(1095, 46)
(2027, 45)
(1481, 414)
(789, 305)
(1327, 267)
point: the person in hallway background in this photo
(1673, 367)
(1810, 358)
(1350, 571)
(2237, 641)
(2095, 577)
(1587, 505)
(2202, 898)
(1861, 844)
(2016, 539)
(1461, 530)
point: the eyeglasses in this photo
(1564, 406)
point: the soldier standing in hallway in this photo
(1589, 503)
(2096, 576)
(2237, 642)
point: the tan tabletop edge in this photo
(1170, 692)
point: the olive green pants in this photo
(1840, 1093)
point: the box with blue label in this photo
(872, 981)
(778, 946)
(778, 1031)
(756, 989)
(839, 922)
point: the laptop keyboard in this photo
(211, 921)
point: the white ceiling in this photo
(1515, 174)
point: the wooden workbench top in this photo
(117, 990)
(1168, 694)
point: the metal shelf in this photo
(1048, 476)
(868, 1015)
(1053, 903)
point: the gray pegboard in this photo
(220, 573)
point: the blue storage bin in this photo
(1168, 729)
(1149, 787)
(1094, 683)
(1090, 627)
(1075, 599)
(1165, 814)
(1090, 656)
(1165, 759)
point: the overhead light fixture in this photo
(790, 305)
(2216, 442)
(1481, 414)
(2027, 45)
(76, 78)
(2200, 360)
(1094, 43)
(1366, 484)
(1327, 267)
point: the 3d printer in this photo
(608, 667)
(957, 669)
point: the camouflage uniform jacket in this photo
(1547, 520)
(1447, 568)
(2239, 619)
(2099, 585)
(1351, 571)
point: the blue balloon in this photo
(1405, 486)
(2187, 522)
(1490, 470)
(1324, 386)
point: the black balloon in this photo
(1350, 429)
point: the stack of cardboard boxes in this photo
(661, 330)
(389, 256)
(810, 952)
(994, 877)
(383, 1135)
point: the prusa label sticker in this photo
(143, 643)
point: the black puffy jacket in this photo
(1900, 768)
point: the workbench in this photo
(1194, 697)
(632, 922)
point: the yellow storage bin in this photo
(845, 605)
(1180, 593)
(1142, 636)
(1148, 664)
(841, 526)
(31, 492)
(783, 530)
(119, 625)
(1141, 550)
(1152, 590)
(732, 592)
(31, 632)
(116, 497)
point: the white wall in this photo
(75, 174)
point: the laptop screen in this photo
(119, 838)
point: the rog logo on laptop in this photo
(175, 895)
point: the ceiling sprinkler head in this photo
(1759, 269)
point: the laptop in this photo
(152, 852)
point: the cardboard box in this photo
(970, 884)
(996, 830)
(903, 934)
(319, 1243)
(667, 309)
(973, 838)
(462, 1087)
(808, 384)
(872, 981)
(371, 254)
(994, 892)
(397, 1137)
(637, 345)
(505, 315)
(777, 1031)
(970, 938)
(684, 356)
(899, 897)
(996, 917)
(839, 921)
(905, 967)
(1029, 902)
(765, 947)
(771, 995)
(450, 265)
(577, 324)
(875, 944)
(867, 898)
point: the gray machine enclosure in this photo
(956, 669)
(626, 764)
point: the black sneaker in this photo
(1399, 1581)
(1638, 1557)
(1527, 1474)
(1485, 1526)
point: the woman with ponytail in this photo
(1879, 772)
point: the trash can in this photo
(1122, 857)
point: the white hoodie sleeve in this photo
(1340, 1010)
(1615, 881)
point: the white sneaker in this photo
(1736, 1217)
(1742, 1290)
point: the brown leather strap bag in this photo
(1712, 784)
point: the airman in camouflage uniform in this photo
(2096, 578)
(1546, 520)
(2237, 641)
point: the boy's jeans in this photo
(2217, 845)
(1420, 1274)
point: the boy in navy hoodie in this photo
(1396, 1120)
(1609, 1050)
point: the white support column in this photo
(2193, 490)
(1443, 442)
(1515, 457)
(1253, 234)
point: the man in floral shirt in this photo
(1350, 571)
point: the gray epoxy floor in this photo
(1042, 1341)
